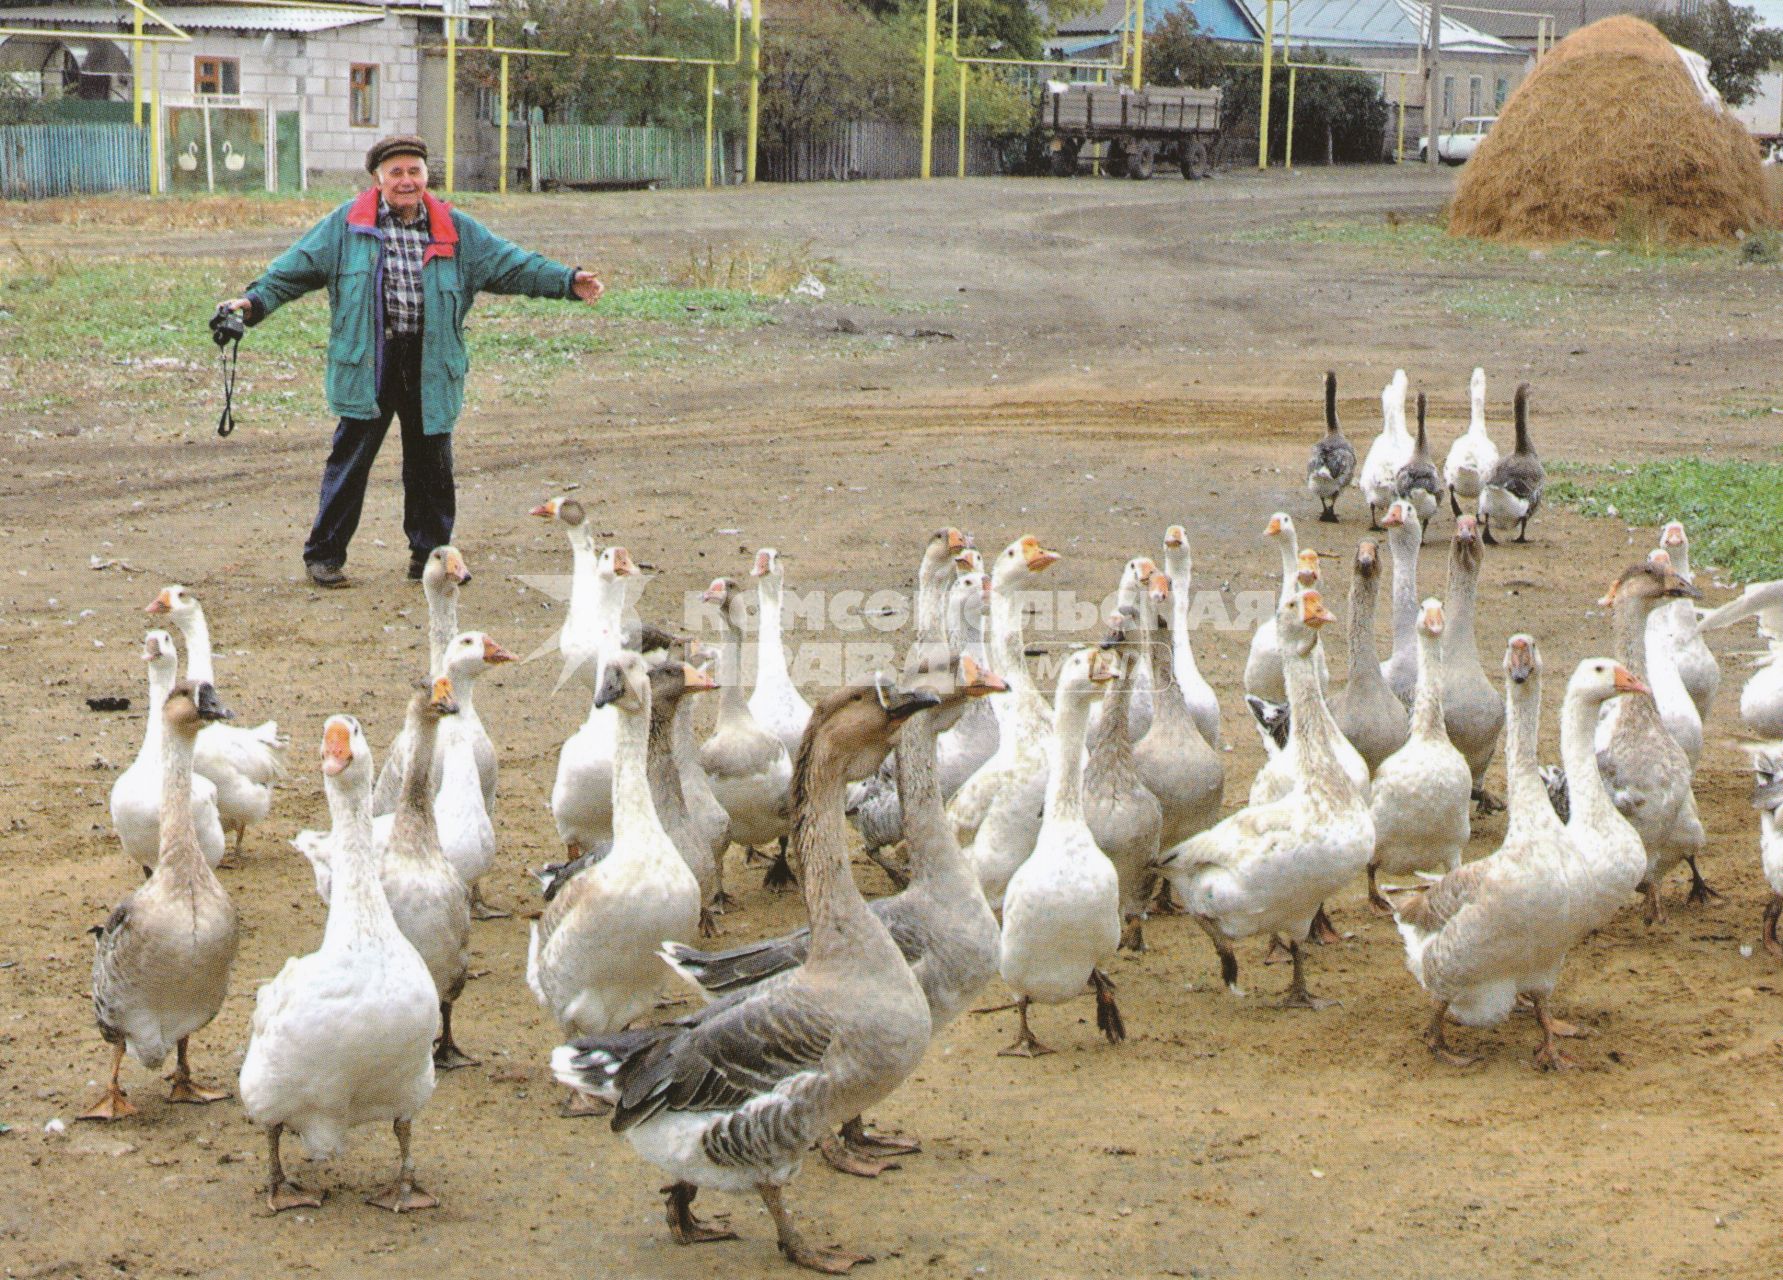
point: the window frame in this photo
(222, 66)
(364, 91)
(1476, 95)
(1447, 111)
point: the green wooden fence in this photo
(594, 154)
(42, 160)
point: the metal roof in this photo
(1380, 24)
(195, 17)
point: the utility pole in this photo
(1433, 87)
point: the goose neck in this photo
(1630, 621)
(1364, 593)
(1427, 718)
(1578, 751)
(358, 911)
(1523, 710)
(1006, 637)
(770, 645)
(927, 832)
(1064, 783)
(442, 625)
(733, 698)
(634, 811)
(1315, 732)
(1290, 549)
(196, 630)
(414, 821)
(840, 921)
(179, 834)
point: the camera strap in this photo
(227, 356)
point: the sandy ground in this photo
(1122, 358)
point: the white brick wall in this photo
(311, 74)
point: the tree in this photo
(1728, 35)
(590, 84)
(1177, 53)
(1336, 113)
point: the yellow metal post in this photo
(136, 67)
(1288, 159)
(928, 92)
(451, 100)
(1268, 66)
(711, 102)
(502, 184)
(155, 124)
(1399, 155)
(1139, 44)
(753, 130)
(965, 70)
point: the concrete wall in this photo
(311, 74)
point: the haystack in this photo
(1606, 134)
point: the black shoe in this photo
(416, 565)
(324, 574)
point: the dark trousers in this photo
(429, 503)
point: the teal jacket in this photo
(344, 253)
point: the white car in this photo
(1458, 147)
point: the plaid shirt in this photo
(405, 244)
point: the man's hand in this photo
(235, 304)
(586, 287)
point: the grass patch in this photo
(1428, 238)
(1510, 302)
(1726, 506)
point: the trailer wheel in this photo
(1114, 164)
(1141, 161)
(1063, 160)
(1194, 160)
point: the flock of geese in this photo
(1030, 837)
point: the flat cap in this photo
(397, 144)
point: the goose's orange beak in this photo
(455, 566)
(493, 653)
(956, 541)
(716, 593)
(978, 681)
(1159, 587)
(1628, 682)
(337, 747)
(1274, 528)
(1037, 556)
(1394, 518)
(696, 679)
(764, 564)
(547, 509)
(1431, 619)
(443, 700)
(162, 603)
(1175, 536)
(623, 565)
(1313, 611)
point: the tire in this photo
(1063, 162)
(1142, 162)
(1194, 160)
(1114, 165)
(1423, 155)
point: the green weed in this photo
(1730, 508)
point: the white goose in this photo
(244, 763)
(442, 575)
(1502, 926)
(1677, 709)
(1263, 666)
(1696, 664)
(344, 1036)
(136, 795)
(1136, 579)
(462, 805)
(593, 618)
(775, 702)
(1473, 456)
(1421, 791)
(592, 961)
(1761, 701)
(1203, 706)
(1391, 449)
(1405, 537)
(1267, 868)
(1062, 906)
(161, 960)
(996, 814)
(1767, 798)
(749, 767)
(582, 793)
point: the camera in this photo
(227, 326)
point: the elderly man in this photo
(401, 269)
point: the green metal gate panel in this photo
(216, 149)
(42, 160)
(596, 153)
(288, 146)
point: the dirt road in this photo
(1121, 356)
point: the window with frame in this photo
(216, 76)
(1476, 91)
(1501, 89)
(362, 96)
(1448, 98)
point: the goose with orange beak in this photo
(1263, 665)
(1501, 927)
(345, 1035)
(775, 702)
(1678, 621)
(441, 576)
(1267, 868)
(996, 813)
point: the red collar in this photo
(441, 230)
